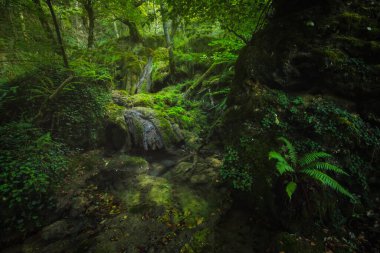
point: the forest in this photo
(175, 126)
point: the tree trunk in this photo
(88, 5)
(23, 26)
(168, 38)
(146, 76)
(43, 21)
(133, 31)
(59, 36)
(116, 30)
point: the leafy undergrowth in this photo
(31, 166)
(312, 123)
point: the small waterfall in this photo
(142, 131)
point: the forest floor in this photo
(167, 202)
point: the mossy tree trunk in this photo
(88, 6)
(167, 26)
(44, 22)
(58, 32)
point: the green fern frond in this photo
(283, 167)
(282, 164)
(326, 166)
(328, 181)
(277, 156)
(291, 150)
(312, 157)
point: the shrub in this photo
(30, 164)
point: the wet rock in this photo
(141, 128)
(159, 168)
(129, 164)
(57, 230)
(143, 131)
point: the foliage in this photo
(288, 163)
(235, 171)
(239, 16)
(78, 114)
(31, 165)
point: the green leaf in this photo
(326, 166)
(290, 189)
(328, 181)
(291, 150)
(282, 165)
(312, 157)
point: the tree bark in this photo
(116, 29)
(133, 31)
(43, 21)
(168, 38)
(59, 36)
(146, 75)
(88, 6)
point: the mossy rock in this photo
(285, 242)
(131, 164)
(168, 131)
(117, 136)
(335, 55)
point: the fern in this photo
(308, 165)
(277, 156)
(327, 166)
(282, 165)
(312, 157)
(327, 180)
(291, 150)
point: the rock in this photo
(140, 127)
(159, 168)
(285, 242)
(143, 131)
(130, 164)
(79, 206)
(182, 172)
(338, 55)
(116, 132)
(199, 179)
(214, 162)
(55, 231)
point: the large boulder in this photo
(329, 46)
(132, 124)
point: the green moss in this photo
(333, 54)
(133, 198)
(135, 161)
(200, 239)
(352, 17)
(127, 163)
(194, 208)
(351, 41)
(141, 99)
(375, 46)
(115, 114)
(168, 110)
(160, 191)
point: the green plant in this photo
(234, 171)
(310, 165)
(31, 162)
